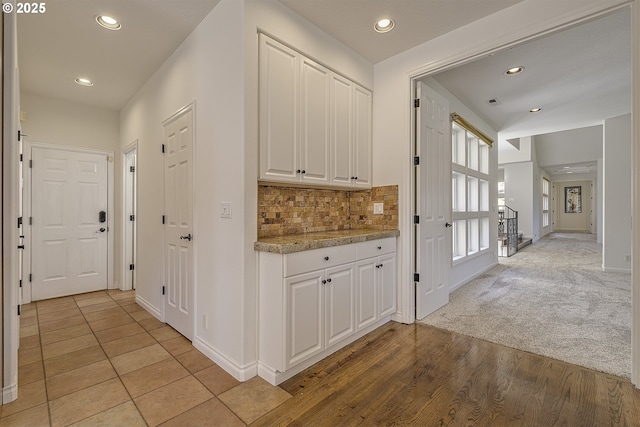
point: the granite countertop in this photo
(303, 242)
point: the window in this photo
(470, 192)
(546, 185)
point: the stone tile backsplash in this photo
(289, 210)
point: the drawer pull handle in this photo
(379, 247)
(326, 258)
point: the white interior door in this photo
(69, 236)
(178, 231)
(129, 219)
(433, 248)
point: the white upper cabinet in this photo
(361, 137)
(341, 130)
(279, 111)
(315, 125)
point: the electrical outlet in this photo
(225, 210)
(378, 208)
(627, 258)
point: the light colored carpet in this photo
(552, 299)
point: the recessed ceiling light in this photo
(514, 70)
(566, 167)
(535, 110)
(384, 25)
(84, 82)
(108, 22)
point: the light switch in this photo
(378, 208)
(225, 210)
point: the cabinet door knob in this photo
(379, 247)
(326, 258)
(304, 171)
(324, 282)
(298, 171)
(328, 280)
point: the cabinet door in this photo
(339, 291)
(362, 137)
(366, 293)
(304, 307)
(279, 109)
(387, 284)
(341, 130)
(314, 123)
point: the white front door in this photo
(69, 233)
(433, 178)
(178, 231)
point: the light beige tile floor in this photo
(99, 359)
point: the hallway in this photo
(101, 359)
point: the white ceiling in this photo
(416, 21)
(579, 77)
(65, 42)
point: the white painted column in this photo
(635, 276)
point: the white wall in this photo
(217, 67)
(206, 69)
(617, 194)
(559, 148)
(574, 221)
(518, 193)
(54, 121)
(463, 272)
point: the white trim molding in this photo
(635, 197)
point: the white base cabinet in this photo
(312, 303)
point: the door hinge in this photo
(30, 220)
(19, 222)
(20, 283)
(163, 148)
(163, 290)
(30, 277)
(163, 219)
(131, 267)
(416, 161)
(132, 217)
(132, 168)
(19, 138)
(416, 103)
(20, 157)
(416, 219)
(416, 277)
(18, 310)
(31, 163)
(20, 246)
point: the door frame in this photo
(27, 212)
(124, 270)
(406, 291)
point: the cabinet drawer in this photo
(316, 259)
(373, 248)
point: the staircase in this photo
(508, 238)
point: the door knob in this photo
(187, 237)
(448, 225)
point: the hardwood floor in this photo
(420, 375)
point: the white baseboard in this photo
(615, 270)
(9, 393)
(463, 282)
(150, 308)
(240, 373)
